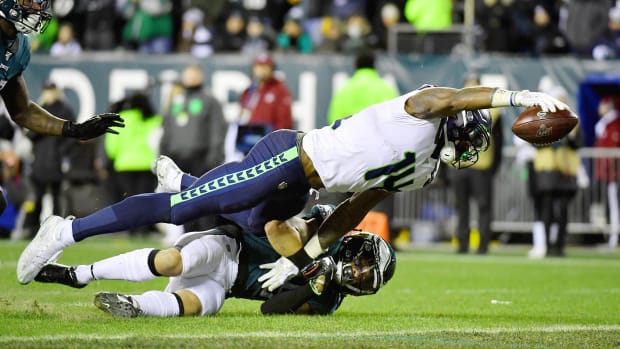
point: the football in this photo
(540, 128)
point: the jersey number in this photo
(395, 173)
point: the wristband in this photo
(503, 98)
(313, 247)
(68, 129)
(300, 259)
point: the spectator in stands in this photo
(586, 23)
(476, 182)
(133, 151)
(232, 36)
(271, 13)
(332, 36)
(257, 40)
(347, 8)
(267, 101)
(608, 46)
(196, 36)
(607, 132)
(548, 39)
(48, 151)
(16, 189)
(555, 177)
(194, 125)
(384, 17)
(194, 130)
(292, 37)
(357, 34)
(429, 15)
(315, 13)
(495, 18)
(66, 45)
(212, 9)
(99, 24)
(365, 88)
(149, 25)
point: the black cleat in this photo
(116, 304)
(59, 274)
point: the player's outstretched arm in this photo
(26, 113)
(30, 115)
(436, 102)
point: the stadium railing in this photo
(512, 207)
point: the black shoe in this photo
(59, 274)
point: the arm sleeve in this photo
(287, 301)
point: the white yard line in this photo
(314, 335)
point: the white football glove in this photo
(547, 103)
(281, 271)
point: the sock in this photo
(130, 266)
(66, 233)
(157, 303)
(553, 233)
(538, 235)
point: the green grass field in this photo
(436, 300)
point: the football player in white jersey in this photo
(388, 147)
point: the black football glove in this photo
(93, 127)
(319, 274)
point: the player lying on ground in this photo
(388, 147)
(204, 268)
(18, 18)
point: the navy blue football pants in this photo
(270, 173)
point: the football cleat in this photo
(44, 248)
(59, 274)
(537, 253)
(166, 171)
(116, 304)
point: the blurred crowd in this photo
(587, 28)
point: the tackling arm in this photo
(344, 219)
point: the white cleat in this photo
(166, 171)
(537, 253)
(45, 248)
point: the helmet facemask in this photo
(28, 16)
(465, 137)
(365, 263)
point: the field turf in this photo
(436, 300)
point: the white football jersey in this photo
(380, 147)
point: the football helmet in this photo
(28, 16)
(465, 136)
(365, 263)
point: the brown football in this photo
(539, 128)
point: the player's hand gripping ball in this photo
(541, 128)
